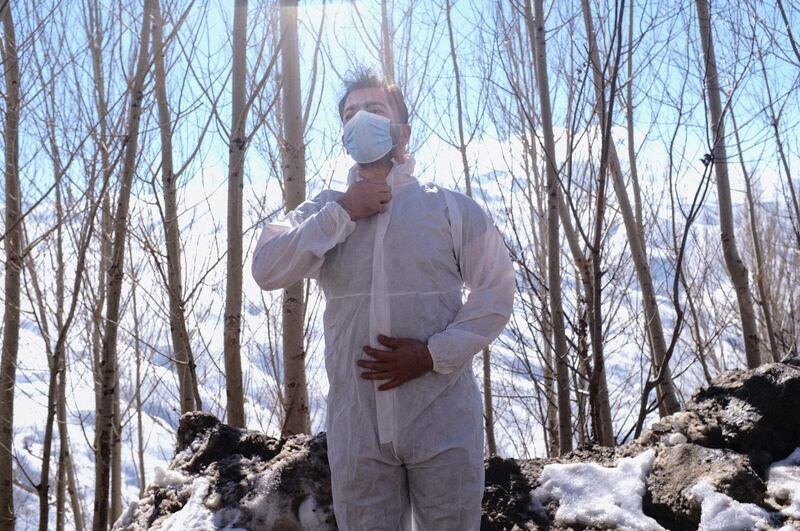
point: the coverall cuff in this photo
(336, 221)
(439, 357)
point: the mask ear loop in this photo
(395, 130)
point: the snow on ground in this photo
(591, 494)
(722, 513)
(195, 515)
(784, 483)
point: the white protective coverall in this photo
(400, 273)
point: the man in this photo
(405, 430)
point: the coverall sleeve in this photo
(488, 273)
(294, 247)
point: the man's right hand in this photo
(365, 197)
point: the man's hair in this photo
(364, 78)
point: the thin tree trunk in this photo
(138, 384)
(792, 40)
(233, 286)
(13, 270)
(763, 293)
(637, 194)
(775, 123)
(116, 456)
(736, 268)
(95, 34)
(669, 400)
(108, 363)
(387, 46)
(548, 373)
(60, 359)
(582, 375)
(488, 409)
(43, 488)
(177, 321)
(56, 395)
(297, 419)
(53, 358)
(66, 478)
(598, 391)
(553, 240)
(74, 496)
(106, 219)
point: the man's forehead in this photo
(367, 96)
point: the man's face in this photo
(374, 100)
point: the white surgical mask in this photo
(368, 137)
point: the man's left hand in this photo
(407, 359)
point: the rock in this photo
(253, 481)
(755, 412)
(679, 468)
(507, 499)
(728, 435)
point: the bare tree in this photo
(297, 419)
(775, 121)
(553, 244)
(668, 401)
(13, 267)
(766, 302)
(56, 395)
(719, 157)
(108, 363)
(189, 393)
(234, 388)
(387, 43)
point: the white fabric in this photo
(400, 273)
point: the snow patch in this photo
(195, 515)
(784, 484)
(311, 515)
(674, 439)
(591, 494)
(722, 513)
(165, 477)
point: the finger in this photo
(391, 384)
(376, 375)
(373, 365)
(389, 341)
(377, 354)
